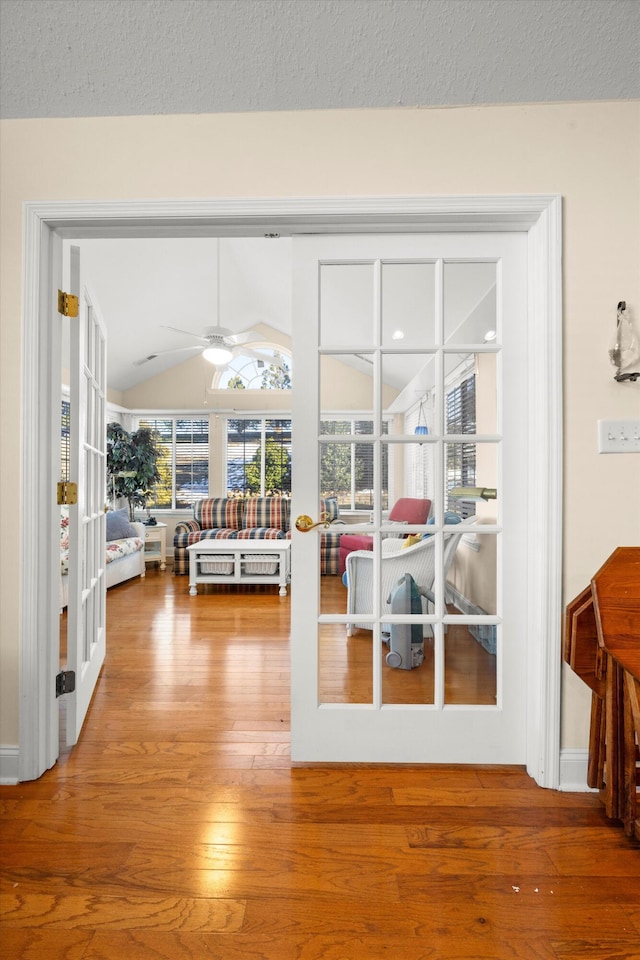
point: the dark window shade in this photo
(65, 440)
(460, 467)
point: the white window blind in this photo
(184, 462)
(346, 469)
(258, 456)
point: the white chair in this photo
(419, 560)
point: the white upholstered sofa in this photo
(124, 556)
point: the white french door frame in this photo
(47, 223)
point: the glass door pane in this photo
(405, 369)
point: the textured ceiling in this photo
(63, 58)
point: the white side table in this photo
(155, 544)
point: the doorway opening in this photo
(539, 217)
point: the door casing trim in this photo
(47, 223)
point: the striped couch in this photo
(257, 518)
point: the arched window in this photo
(260, 368)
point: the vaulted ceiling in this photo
(143, 287)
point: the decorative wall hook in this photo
(625, 349)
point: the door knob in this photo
(305, 523)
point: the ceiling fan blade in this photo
(248, 336)
(161, 353)
(188, 332)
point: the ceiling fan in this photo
(215, 343)
(219, 342)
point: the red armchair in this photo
(410, 510)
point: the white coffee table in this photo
(240, 561)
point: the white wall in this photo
(587, 152)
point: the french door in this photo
(86, 633)
(411, 381)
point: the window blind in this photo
(460, 465)
(258, 456)
(184, 461)
(191, 440)
(346, 469)
(65, 440)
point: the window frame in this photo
(351, 418)
(262, 418)
(65, 437)
(251, 355)
(148, 419)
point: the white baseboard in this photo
(8, 765)
(573, 771)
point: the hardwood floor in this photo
(177, 829)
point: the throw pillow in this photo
(118, 526)
(412, 539)
(449, 518)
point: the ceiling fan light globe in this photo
(217, 355)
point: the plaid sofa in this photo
(330, 539)
(257, 518)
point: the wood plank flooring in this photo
(178, 829)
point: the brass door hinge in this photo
(67, 492)
(67, 304)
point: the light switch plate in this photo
(618, 436)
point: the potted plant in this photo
(132, 464)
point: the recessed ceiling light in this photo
(489, 335)
(397, 335)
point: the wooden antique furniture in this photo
(602, 645)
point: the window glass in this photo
(264, 369)
(346, 304)
(191, 442)
(258, 456)
(184, 461)
(65, 448)
(470, 312)
(408, 304)
(460, 466)
(346, 468)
